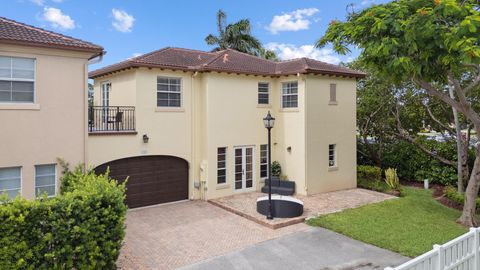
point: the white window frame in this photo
(283, 95)
(222, 168)
(263, 93)
(333, 93)
(332, 156)
(21, 181)
(34, 80)
(55, 182)
(266, 158)
(169, 92)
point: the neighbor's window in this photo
(264, 161)
(221, 165)
(263, 92)
(332, 155)
(169, 92)
(10, 181)
(45, 180)
(333, 92)
(290, 94)
(17, 79)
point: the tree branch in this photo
(432, 91)
(475, 81)
(450, 130)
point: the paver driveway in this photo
(173, 235)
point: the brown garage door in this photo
(152, 179)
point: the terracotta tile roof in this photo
(13, 32)
(226, 61)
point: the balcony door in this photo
(105, 87)
(244, 168)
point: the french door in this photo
(244, 168)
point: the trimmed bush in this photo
(82, 228)
(276, 169)
(369, 172)
(373, 185)
(454, 195)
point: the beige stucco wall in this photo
(220, 110)
(330, 124)
(55, 125)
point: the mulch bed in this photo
(438, 194)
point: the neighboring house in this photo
(43, 106)
(187, 124)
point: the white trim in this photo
(20, 189)
(244, 177)
(40, 175)
(268, 93)
(281, 95)
(168, 92)
(11, 79)
(335, 164)
(224, 168)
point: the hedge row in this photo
(454, 195)
(82, 228)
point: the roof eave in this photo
(98, 51)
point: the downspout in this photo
(304, 79)
(193, 165)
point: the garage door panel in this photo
(151, 179)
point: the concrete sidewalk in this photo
(313, 248)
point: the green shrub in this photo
(373, 185)
(391, 178)
(454, 195)
(276, 169)
(82, 228)
(369, 172)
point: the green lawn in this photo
(409, 225)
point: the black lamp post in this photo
(269, 121)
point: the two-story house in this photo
(187, 124)
(43, 106)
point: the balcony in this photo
(111, 120)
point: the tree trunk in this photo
(469, 208)
(465, 167)
(458, 130)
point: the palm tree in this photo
(237, 36)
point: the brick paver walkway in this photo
(320, 204)
(173, 235)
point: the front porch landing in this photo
(320, 204)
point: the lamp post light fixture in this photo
(269, 122)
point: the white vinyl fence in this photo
(462, 253)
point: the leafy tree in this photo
(237, 36)
(433, 43)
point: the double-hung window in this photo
(10, 181)
(221, 165)
(332, 155)
(290, 95)
(17, 80)
(263, 161)
(263, 94)
(45, 180)
(169, 92)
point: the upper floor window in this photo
(45, 180)
(17, 79)
(10, 181)
(290, 95)
(332, 155)
(263, 93)
(333, 92)
(169, 91)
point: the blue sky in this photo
(126, 28)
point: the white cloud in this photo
(38, 2)
(290, 51)
(292, 21)
(57, 1)
(137, 54)
(122, 21)
(57, 18)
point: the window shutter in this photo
(333, 92)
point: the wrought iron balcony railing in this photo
(111, 119)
